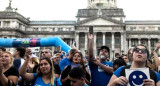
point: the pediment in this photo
(99, 21)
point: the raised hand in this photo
(1, 68)
(90, 36)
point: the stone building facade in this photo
(108, 21)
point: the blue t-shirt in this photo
(39, 81)
(118, 73)
(63, 63)
(99, 76)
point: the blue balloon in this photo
(136, 78)
(35, 42)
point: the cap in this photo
(105, 47)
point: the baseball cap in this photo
(105, 47)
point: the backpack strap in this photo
(153, 75)
(123, 70)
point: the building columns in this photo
(149, 45)
(86, 41)
(113, 44)
(139, 40)
(122, 42)
(129, 43)
(77, 40)
(95, 44)
(104, 38)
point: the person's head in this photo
(6, 58)
(77, 76)
(118, 62)
(140, 54)
(78, 58)
(20, 52)
(2, 49)
(71, 53)
(46, 68)
(130, 54)
(117, 55)
(125, 58)
(46, 53)
(56, 58)
(104, 52)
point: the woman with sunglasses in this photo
(140, 55)
(77, 61)
(44, 76)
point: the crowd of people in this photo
(75, 69)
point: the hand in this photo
(90, 36)
(157, 47)
(1, 68)
(95, 61)
(149, 82)
(28, 53)
(121, 80)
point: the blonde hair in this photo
(10, 55)
(34, 60)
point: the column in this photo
(113, 41)
(149, 45)
(129, 43)
(95, 44)
(113, 45)
(122, 42)
(77, 40)
(1, 24)
(139, 40)
(86, 41)
(70, 42)
(104, 38)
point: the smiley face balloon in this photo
(136, 78)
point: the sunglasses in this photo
(44, 52)
(137, 50)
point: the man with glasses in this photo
(140, 56)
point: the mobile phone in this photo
(91, 29)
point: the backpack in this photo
(151, 72)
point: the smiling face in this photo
(136, 78)
(45, 67)
(6, 58)
(140, 54)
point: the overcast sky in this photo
(67, 9)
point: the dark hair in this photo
(145, 48)
(82, 63)
(120, 62)
(77, 73)
(2, 48)
(21, 51)
(105, 47)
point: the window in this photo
(60, 29)
(44, 29)
(152, 43)
(35, 29)
(0, 23)
(133, 43)
(108, 41)
(117, 41)
(70, 29)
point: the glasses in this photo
(137, 50)
(45, 52)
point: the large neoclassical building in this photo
(108, 21)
